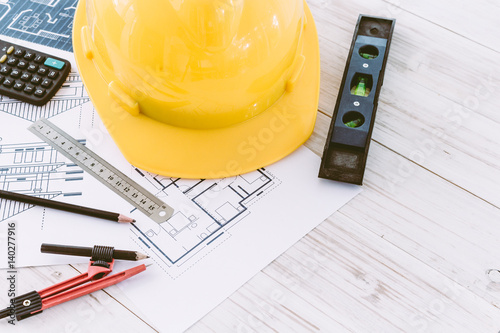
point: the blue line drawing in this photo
(217, 206)
(75, 194)
(45, 22)
(33, 169)
(71, 95)
(215, 238)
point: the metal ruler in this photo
(107, 174)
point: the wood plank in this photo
(461, 17)
(428, 217)
(431, 219)
(381, 265)
(435, 109)
(343, 277)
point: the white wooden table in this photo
(418, 249)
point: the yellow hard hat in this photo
(200, 88)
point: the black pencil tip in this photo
(133, 221)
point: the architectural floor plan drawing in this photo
(71, 95)
(45, 22)
(213, 208)
(35, 169)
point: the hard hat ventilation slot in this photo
(123, 99)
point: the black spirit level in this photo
(346, 148)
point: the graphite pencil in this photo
(65, 207)
(90, 251)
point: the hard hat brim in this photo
(213, 153)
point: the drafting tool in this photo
(107, 174)
(65, 207)
(90, 251)
(100, 265)
(346, 148)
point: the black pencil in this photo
(89, 251)
(65, 207)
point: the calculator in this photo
(30, 76)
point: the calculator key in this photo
(29, 56)
(29, 89)
(19, 53)
(39, 59)
(22, 64)
(12, 61)
(32, 68)
(36, 80)
(42, 71)
(39, 92)
(8, 82)
(16, 73)
(19, 86)
(47, 83)
(5, 70)
(57, 64)
(26, 77)
(30, 75)
(53, 75)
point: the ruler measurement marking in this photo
(114, 179)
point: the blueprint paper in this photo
(222, 233)
(45, 22)
(30, 166)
